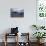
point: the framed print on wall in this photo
(41, 8)
(17, 12)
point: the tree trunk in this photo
(38, 42)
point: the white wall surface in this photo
(24, 24)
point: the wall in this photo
(24, 24)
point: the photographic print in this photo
(17, 12)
